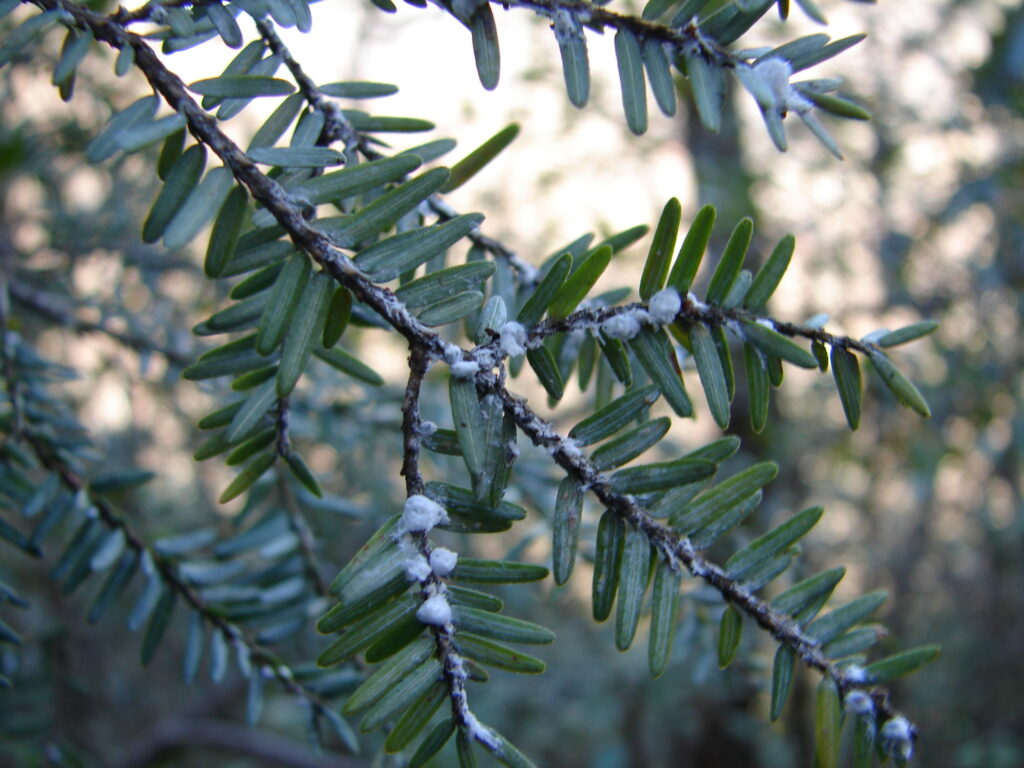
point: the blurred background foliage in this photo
(924, 219)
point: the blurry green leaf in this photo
(120, 480)
(546, 291)
(244, 479)
(464, 750)
(303, 473)
(614, 416)
(900, 664)
(648, 478)
(416, 717)
(355, 89)
(631, 76)
(451, 309)
(769, 275)
(691, 252)
(865, 731)
(105, 144)
(469, 423)
(445, 283)
(485, 46)
(771, 342)
(898, 384)
(498, 656)
(142, 133)
(114, 585)
(655, 353)
(909, 333)
(277, 123)
(708, 84)
(305, 331)
(409, 688)
(388, 674)
(389, 258)
(611, 536)
(377, 124)
(782, 679)
(572, 46)
(431, 150)
(838, 620)
(158, 623)
(256, 405)
(180, 183)
(433, 743)
(348, 182)
(846, 371)
(241, 86)
(369, 628)
(660, 255)
(730, 630)
(385, 211)
(297, 157)
(713, 503)
(825, 52)
(804, 599)
(664, 599)
(827, 724)
(284, 299)
(24, 34)
(338, 358)
(544, 365)
(731, 263)
(108, 551)
(762, 549)
(565, 525)
(835, 105)
(224, 21)
(338, 314)
(497, 571)
(579, 283)
(660, 75)
(226, 229)
(634, 570)
(195, 639)
(73, 52)
(627, 447)
(497, 626)
(201, 206)
(712, 378)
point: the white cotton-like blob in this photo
(897, 736)
(417, 568)
(442, 561)
(465, 369)
(859, 703)
(622, 327)
(452, 354)
(768, 83)
(664, 306)
(435, 611)
(421, 514)
(427, 428)
(691, 298)
(479, 731)
(856, 673)
(513, 339)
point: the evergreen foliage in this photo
(317, 235)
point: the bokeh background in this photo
(923, 219)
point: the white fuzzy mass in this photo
(442, 561)
(421, 514)
(622, 327)
(417, 568)
(435, 611)
(465, 369)
(513, 339)
(664, 306)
